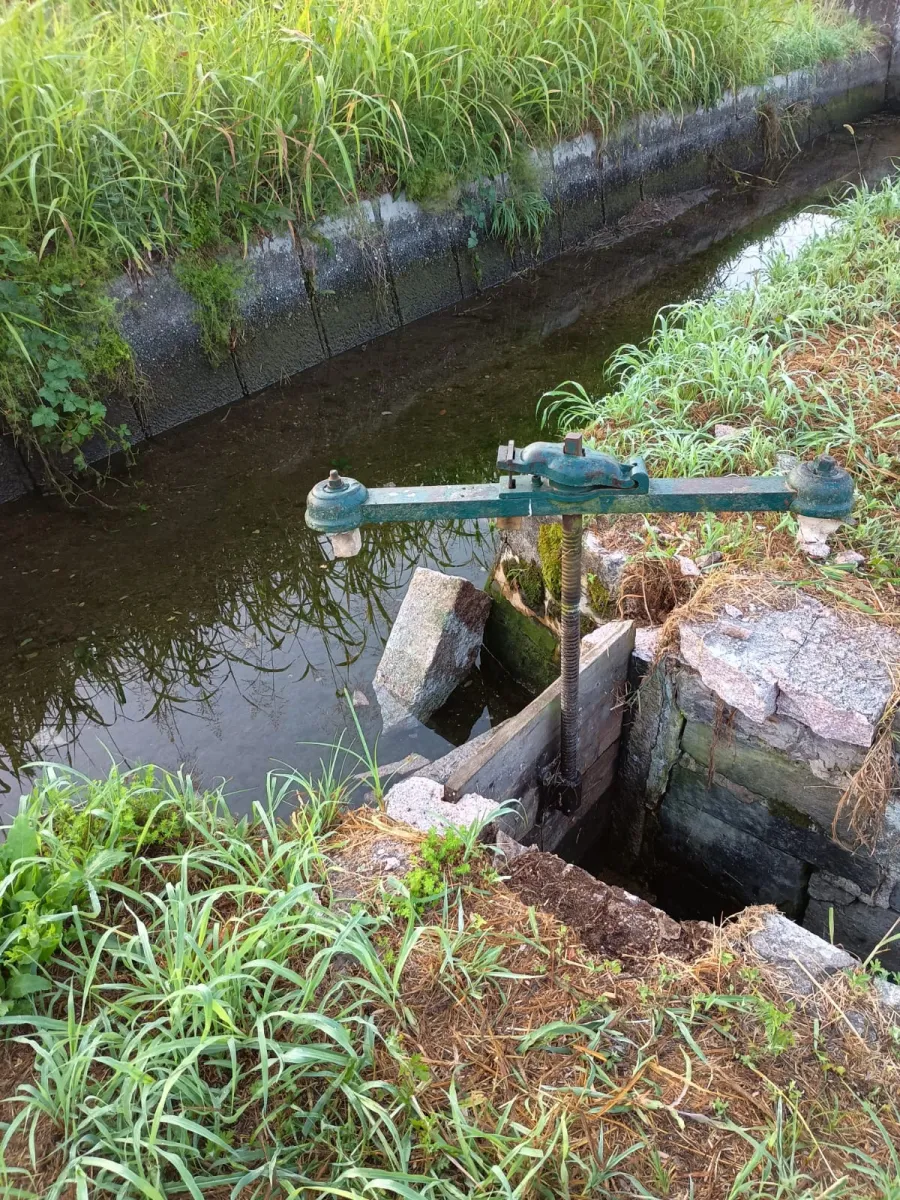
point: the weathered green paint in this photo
(337, 505)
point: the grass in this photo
(805, 362)
(243, 1009)
(132, 133)
(134, 129)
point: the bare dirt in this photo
(608, 920)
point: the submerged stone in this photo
(432, 647)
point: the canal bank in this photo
(311, 295)
(187, 616)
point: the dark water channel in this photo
(185, 615)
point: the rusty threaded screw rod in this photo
(570, 639)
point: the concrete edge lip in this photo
(386, 262)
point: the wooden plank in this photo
(509, 763)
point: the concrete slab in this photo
(158, 320)
(348, 272)
(282, 335)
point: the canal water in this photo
(184, 615)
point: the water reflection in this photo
(192, 619)
(283, 636)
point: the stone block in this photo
(421, 255)
(802, 957)
(841, 678)
(433, 644)
(348, 273)
(858, 927)
(806, 663)
(763, 771)
(281, 333)
(739, 865)
(773, 824)
(420, 802)
(159, 321)
(830, 762)
(832, 889)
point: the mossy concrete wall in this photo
(386, 262)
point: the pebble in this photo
(849, 558)
(735, 631)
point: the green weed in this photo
(805, 362)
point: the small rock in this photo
(813, 534)
(888, 994)
(849, 558)
(800, 955)
(724, 433)
(646, 641)
(508, 849)
(360, 699)
(687, 565)
(420, 802)
(732, 610)
(741, 632)
(710, 560)
(785, 462)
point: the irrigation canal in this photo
(187, 616)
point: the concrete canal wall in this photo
(388, 262)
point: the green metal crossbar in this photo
(569, 480)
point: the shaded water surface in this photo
(186, 615)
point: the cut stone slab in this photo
(806, 663)
(797, 953)
(432, 646)
(888, 994)
(420, 802)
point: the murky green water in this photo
(187, 616)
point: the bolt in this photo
(335, 483)
(826, 464)
(572, 445)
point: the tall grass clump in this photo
(807, 361)
(130, 126)
(251, 1009)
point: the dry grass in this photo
(863, 804)
(495, 1054)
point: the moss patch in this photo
(549, 544)
(527, 577)
(598, 596)
(524, 647)
(214, 285)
